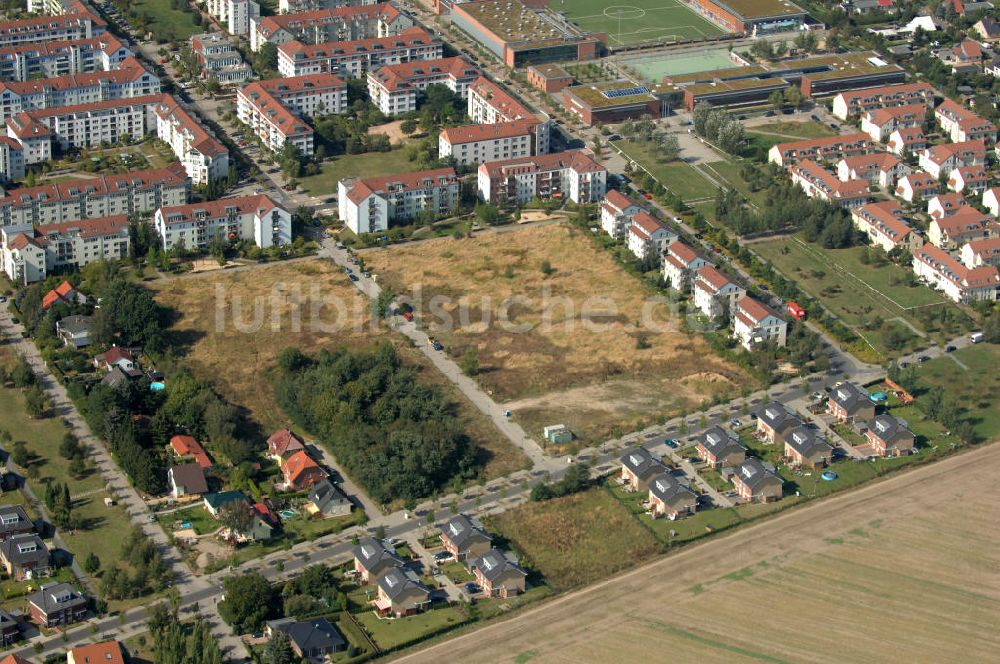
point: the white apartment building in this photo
(942, 159)
(219, 59)
(41, 60)
(250, 218)
(981, 252)
(817, 182)
(29, 253)
(714, 293)
(960, 283)
(573, 175)
(648, 237)
(293, 6)
(371, 204)
(204, 158)
(754, 324)
(617, 211)
(273, 108)
(86, 125)
(394, 89)
(234, 15)
(137, 192)
(491, 104)
(962, 125)
(129, 81)
(11, 159)
(855, 102)
(680, 263)
(68, 27)
(354, 58)
(326, 25)
(475, 144)
(885, 227)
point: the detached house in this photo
(57, 604)
(314, 640)
(755, 324)
(848, 402)
(671, 499)
(327, 499)
(187, 447)
(617, 211)
(116, 356)
(282, 444)
(498, 576)
(105, 652)
(372, 559)
(24, 556)
(187, 479)
(714, 293)
(647, 236)
(14, 521)
(774, 422)
(74, 331)
(754, 482)
(300, 471)
(65, 293)
(400, 593)
(463, 539)
(680, 264)
(804, 448)
(718, 447)
(889, 436)
(639, 468)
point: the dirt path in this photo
(903, 570)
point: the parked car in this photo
(949, 349)
(673, 443)
(735, 423)
(442, 555)
(437, 346)
(923, 358)
(353, 277)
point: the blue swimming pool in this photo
(157, 386)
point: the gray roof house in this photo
(401, 593)
(889, 436)
(25, 556)
(14, 521)
(848, 401)
(639, 467)
(214, 501)
(805, 448)
(187, 479)
(372, 558)
(464, 539)
(57, 604)
(10, 629)
(327, 499)
(120, 376)
(74, 330)
(775, 421)
(498, 575)
(310, 639)
(721, 447)
(671, 498)
(754, 481)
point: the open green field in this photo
(810, 129)
(676, 176)
(578, 539)
(653, 67)
(863, 295)
(366, 165)
(977, 388)
(165, 22)
(636, 21)
(391, 634)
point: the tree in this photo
(776, 99)
(250, 600)
(129, 313)
(237, 516)
(470, 361)
(19, 455)
(408, 126)
(91, 563)
(546, 267)
(669, 147)
(267, 58)
(69, 447)
(279, 650)
(22, 374)
(35, 402)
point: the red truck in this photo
(796, 311)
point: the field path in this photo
(902, 570)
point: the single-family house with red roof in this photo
(300, 471)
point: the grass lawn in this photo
(638, 20)
(811, 129)
(977, 388)
(861, 295)
(491, 606)
(391, 634)
(165, 22)
(457, 572)
(729, 170)
(676, 176)
(365, 165)
(197, 516)
(577, 539)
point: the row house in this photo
(969, 180)
(880, 123)
(961, 124)
(572, 175)
(369, 205)
(755, 482)
(680, 264)
(49, 59)
(236, 16)
(394, 89)
(41, 131)
(639, 467)
(479, 143)
(205, 159)
(889, 436)
(831, 149)
(274, 108)
(715, 294)
(256, 219)
(903, 142)
(943, 159)
(966, 225)
(817, 182)
(917, 186)
(617, 211)
(220, 59)
(56, 604)
(945, 205)
(358, 56)
(671, 499)
(68, 27)
(25, 556)
(138, 192)
(11, 159)
(775, 422)
(648, 237)
(853, 103)
(881, 168)
(130, 80)
(755, 324)
(71, 244)
(803, 448)
(721, 448)
(960, 283)
(326, 25)
(977, 253)
(850, 403)
(488, 104)
(885, 227)
(464, 539)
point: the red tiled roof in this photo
(891, 90)
(397, 77)
(575, 159)
(282, 440)
(188, 446)
(261, 204)
(410, 37)
(290, 85)
(966, 219)
(201, 140)
(147, 100)
(814, 143)
(408, 181)
(295, 465)
(115, 354)
(473, 133)
(60, 292)
(129, 70)
(646, 223)
(618, 200)
(510, 108)
(710, 275)
(173, 174)
(106, 43)
(268, 25)
(106, 652)
(753, 310)
(884, 161)
(682, 252)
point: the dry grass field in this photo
(904, 570)
(578, 357)
(306, 304)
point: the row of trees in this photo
(576, 479)
(139, 570)
(397, 436)
(176, 643)
(716, 125)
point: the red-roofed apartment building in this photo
(680, 264)
(945, 205)
(300, 471)
(476, 144)
(617, 211)
(965, 225)
(754, 324)
(855, 102)
(881, 122)
(981, 252)
(394, 89)
(714, 292)
(369, 205)
(323, 25)
(491, 104)
(884, 225)
(30, 253)
(969, 180)
(77, 22)
(880, 168)
(648, 237)
(906, 141)
(22, 62)
(572, 175)
(273, 109)
(205, 159)
(256, 218)
(832, 149)
(817, 182)
(958, 282)
(962, 124)
(355, 57)
(943, 159)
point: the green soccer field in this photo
(635, 21)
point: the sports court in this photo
(653, 67)
(635, 21)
